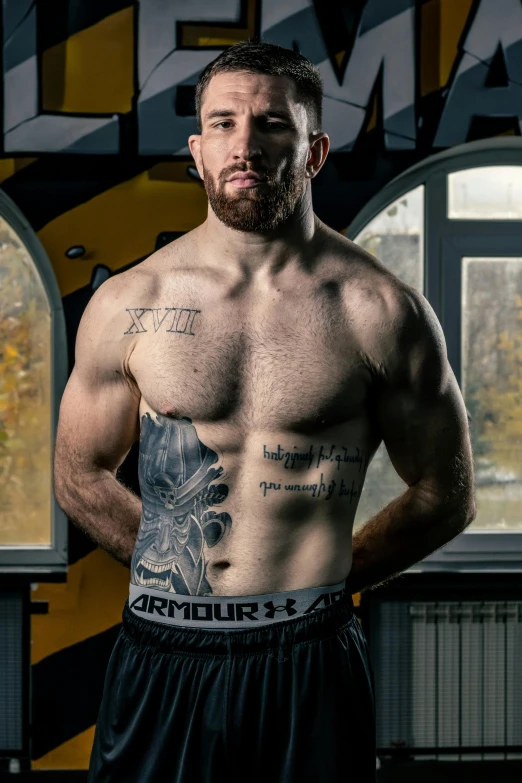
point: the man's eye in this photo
(273, 125)
(223, 123)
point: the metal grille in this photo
(11, 661)
(448, 675)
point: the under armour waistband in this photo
(229, 611)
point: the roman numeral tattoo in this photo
(181, 322)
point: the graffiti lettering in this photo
(497, 23)
(25, 128)
(380, 52)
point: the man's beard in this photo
(264, 208)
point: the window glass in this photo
(492, 385)
(395, 237)
(486, 193)
(382, 485)
(25, 397)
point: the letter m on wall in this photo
(384, 43)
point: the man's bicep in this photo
(423, 421)
(427, 439)
(99, 410)
(97, 424)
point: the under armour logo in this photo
(273, 609)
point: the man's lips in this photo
(245, 179)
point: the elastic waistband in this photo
(318, 624)
(230, 612)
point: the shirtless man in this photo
(259, 360)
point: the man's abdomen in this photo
(267, 512)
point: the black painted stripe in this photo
(67, 689)
(339, 23)
(54, 184)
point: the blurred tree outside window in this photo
(485, 193)
(492, 385)
(25, 397)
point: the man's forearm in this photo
(402, 534)
(104, 509)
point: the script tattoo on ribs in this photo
(176, 471)
(176, 319)
(312, 460)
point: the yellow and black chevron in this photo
(120, 208)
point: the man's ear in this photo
(195, 150)
(319, 147)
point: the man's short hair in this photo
(253, 57)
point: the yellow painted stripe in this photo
(122, 223)
(92, 70)
(442, 25)
(453, 17)
(91, 601)
(73, 754)
(9, 166)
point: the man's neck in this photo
(254, 252)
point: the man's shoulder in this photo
(145, 278)
(387, 314)
(369, 284)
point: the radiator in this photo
(448, 676)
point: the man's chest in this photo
(286, 363)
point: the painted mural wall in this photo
(98, 102)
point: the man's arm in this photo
(98, 423)
(423, 423)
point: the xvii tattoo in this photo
(176, 319)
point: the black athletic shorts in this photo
(290, 702)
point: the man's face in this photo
(253, 149)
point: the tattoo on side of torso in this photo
(179, 320)
(313, 459)
(176, 471)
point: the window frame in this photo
(472, 550)
(41, 558)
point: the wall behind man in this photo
(98, 101)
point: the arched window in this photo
(33, 373)
(452, 228)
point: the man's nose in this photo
(246, 142)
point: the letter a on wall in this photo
(496, 23)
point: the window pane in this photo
(382, 485)
(486, 193)
(25, 386)
(492, 385)
(395, 237)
